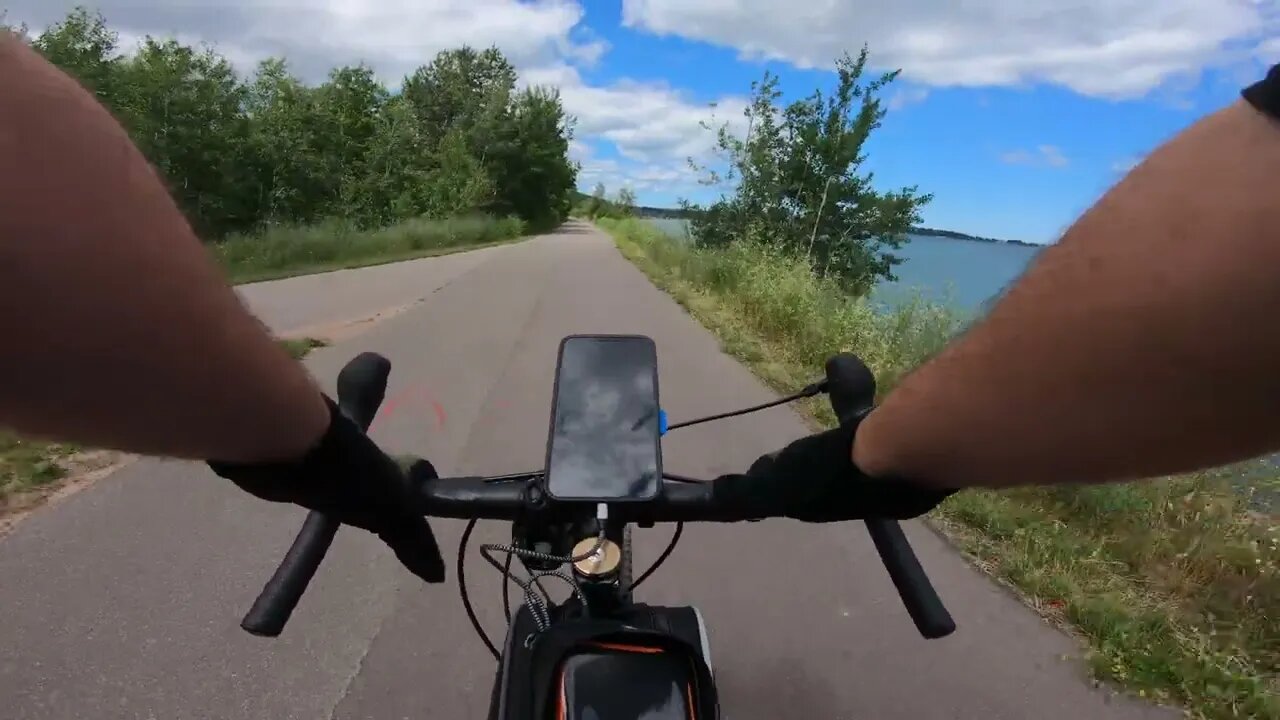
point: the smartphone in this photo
(604, 442)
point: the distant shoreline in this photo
(952, 234)
(678, 214)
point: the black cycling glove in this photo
(347, 477)
(814, 479)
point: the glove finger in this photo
(850, 385)
(416, 548)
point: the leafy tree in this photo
(798, 182)
(239, 154)
(530, 160)
(626, 202)
(596, 203)
(184, 109)
(462, 89)
(85, 47)
(284, 156)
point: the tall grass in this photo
(802, 318)
(286, 250)
(1174, 583)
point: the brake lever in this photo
(914, 588)
(362, 385)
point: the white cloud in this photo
(648, 122)
(1112, 48)
(1268, 50)
(903, 97)
(393, 36)
(1042, 156)
(1124, 165)
(665, 177)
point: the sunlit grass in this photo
(295, 250)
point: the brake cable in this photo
(809, 391)
(541, 614)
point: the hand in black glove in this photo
(348, 477)
(814, 479)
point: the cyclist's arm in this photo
(1144, 343)
(118, 330)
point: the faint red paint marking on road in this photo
(389, 407)
(411, 396)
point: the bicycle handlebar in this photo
(362, 383)
(361, 386)
(479, 498)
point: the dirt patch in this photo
(82, 470)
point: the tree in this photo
(626, 202)
(798, 183)
(462, 89)
(83, 46)
(284, 157)
(183, 108)
(529, 161)
(596, 203)
(241, 154)
(346, 117)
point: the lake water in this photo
(963, 273)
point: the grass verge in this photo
(28, 465)
(286, 251)
(299, 347)
(1174, 584)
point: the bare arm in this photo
(118, 330)
(1146, 342)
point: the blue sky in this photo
(1015, 114)
(1013, 161)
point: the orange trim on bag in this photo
(561, 706)
(561, 711)
(628, 648)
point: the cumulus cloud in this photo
(903, 97)
(646, 121)
(668, 177)
(1268, 50)
(392, 36)
(1111, 48)
(1041, 156)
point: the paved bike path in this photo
(122, 601)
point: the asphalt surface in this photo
(122, 601)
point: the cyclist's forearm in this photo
(118, 329)
(1144, 343)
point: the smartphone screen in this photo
(604, 420)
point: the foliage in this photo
(798, 184)
(626, 202)
(597, 205)
(1173, 583)
(808, 317)
(242, 154)
(284, 250)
